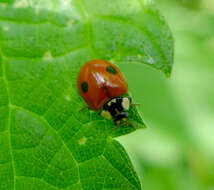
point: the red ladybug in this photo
(101, 84)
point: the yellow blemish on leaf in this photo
(3, 5)
(149, 2)
(37, 11)
(6, 28)
(82, 141)
(47, 56)
(139, 56)
(68, 98)
(21, 4)
(70, 22)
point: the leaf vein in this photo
(46, 122)
(119, 172)
(140, 28)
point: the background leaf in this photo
(45, 143)
(176, 151)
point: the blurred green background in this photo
(176, 151)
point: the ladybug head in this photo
(116, 110)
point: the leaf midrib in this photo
(89, 32)
(4, 77)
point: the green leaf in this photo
(45, 142)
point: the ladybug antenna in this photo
(135, 104)
(132, 124)
(83, 109)
(117, 126)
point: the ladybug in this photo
(102, 85)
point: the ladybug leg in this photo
(83, 109)
(133, 124)
(124, 124)
(117, 126)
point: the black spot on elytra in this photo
(84, 87)
(111, 70)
